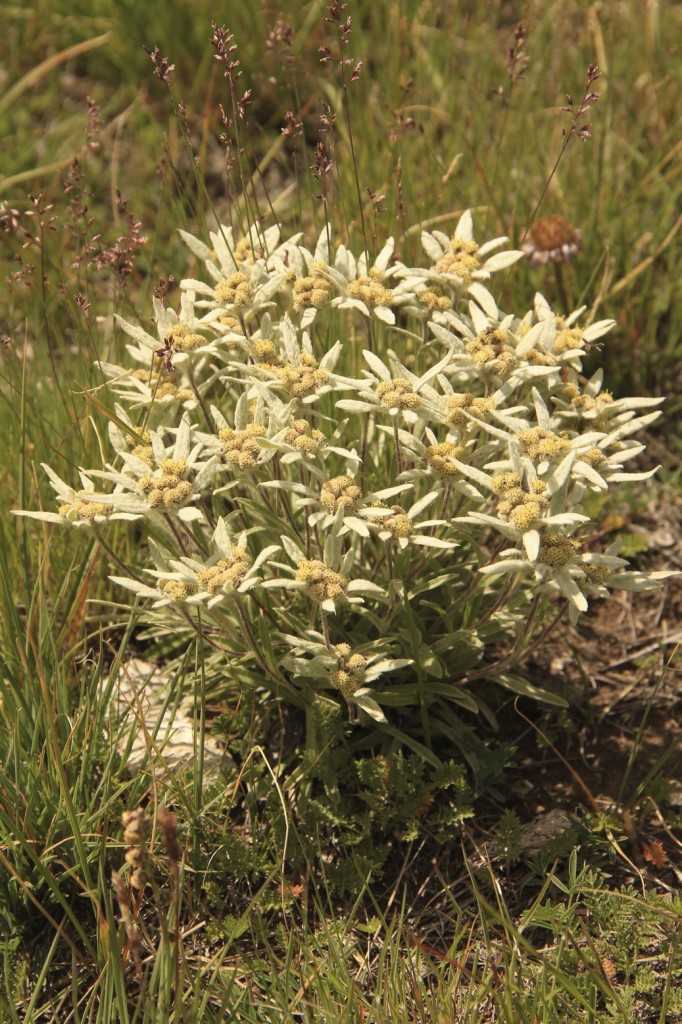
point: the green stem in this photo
(281, 683)
(396, 441)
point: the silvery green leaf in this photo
(196, 247)
(640, 580)
(481, 322)
(565, 519)
(432, 542)
(368, 705)
(447, 337)
(264, 556)
(531, 543)
(537, 335)
(376, 513)
(503, 260)
(465, 227)
(283, 584)
(346, 563)
(308, 316)
(598, 329)
(625, 429)
(378, 668)
(330, 358)
(423, 503)
(590, 473)
(431, 247)
(354, 405)
(136, 332)
(484, 299)
(385, 314)
(376, 365)
(47, 517)
(503, 435)
(390, 492)
(505, 565)
(543, 310)
(289, 486)
(364, 587)
(191, 284)
(293, 551)
(569, 588)
(590, 439)
(158, 447)
(518, 684)
(473, 474)
(357, 525)
(646, 475)
(190, 514)
(140, 589)
(635, 403)
(558, 476)
(541, 410)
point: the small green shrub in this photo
(359, 481)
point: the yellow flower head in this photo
(228, 572)
(322, 583)
(538, 443)
(304, 437)
(340, 491)
(240, 447)
(439, 458)
(235, 291)
(397, 394)
(462, 259)
(556, 550)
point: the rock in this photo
(156, 731)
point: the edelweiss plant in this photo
(362, 481)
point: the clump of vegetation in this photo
(360, 481)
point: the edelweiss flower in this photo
(169, 481)
(226, 256)
(326, 580)
(157, 390)
(227, 574)
(342, 497)
(243, 283)
(485, 355)
(168, 363)
(443, 460)
(543, 338)
(367, 289)
(296, 371)
(394, 523)
(80, 508)
(560, 566)
(459, 263)
(241, 447)
(341, 668)
(390, 386)
(294, 437)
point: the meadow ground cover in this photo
(325, 330)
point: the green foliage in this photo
(628, 937)
(293, 530)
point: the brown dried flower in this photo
(551, 240)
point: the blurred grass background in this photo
(433, 99)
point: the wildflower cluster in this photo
(366, 478)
